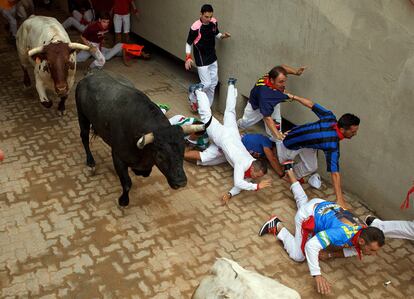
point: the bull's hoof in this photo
(123, 202)
(61, 112)
(47, 104)
(91, 170)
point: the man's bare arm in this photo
(304, 101)
(274, 162)
(294, 71)
(336, 182)
(272, 126)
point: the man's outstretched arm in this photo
(336, 182)
(304, 101)
(294, 71)
(274, 162)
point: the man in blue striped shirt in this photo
(325, 134)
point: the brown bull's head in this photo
(58, 62)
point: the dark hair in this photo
(206, 8)
(347, 120)
(276, 71)
(260, 165)
(372, 234)
(104, 15)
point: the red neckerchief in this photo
(354, 241)
(248, 173)
(406, 203)
(340, 135)
(268, 83)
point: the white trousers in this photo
(122, 21)
(306, 208)
(308, 159)
(73, 22)
(211, 156)
(87, 16)
(101, 56)
(395, 229)
(10, 16)
(209, 78)
(251, 117)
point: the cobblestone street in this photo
(62, 234)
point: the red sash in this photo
(406, 203)
(308, 225)
(133, 49)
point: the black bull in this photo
(120, 114)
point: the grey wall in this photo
(361, 60)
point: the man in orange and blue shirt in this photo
(8, 11)
(323, 230)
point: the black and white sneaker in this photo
(270, 226)
(232, 81)
(369, 219)
(288, 165)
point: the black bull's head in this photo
(168, 154)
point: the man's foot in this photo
(192, 98)
(165, 107)
(232, 81)
(270, 226)
(369, 219)
(315, 181)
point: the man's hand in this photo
(225, 199)
(280, 135)
(265, 183)
(135, 11)
(322, 285)
(300, 70)
(188, 64)
(343, 204)
(92, 49)
(225, 35)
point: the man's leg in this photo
(117, 27)
(83, 56)
(205, 79)
(215, 129)
(229, 119)
(211, 156)
(71, 21)
(8, 14)
(395, 229)
(213, 70)
(250, 117)
(127, 26)
(308, 163)
(114, 51)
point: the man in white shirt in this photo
(226, 137)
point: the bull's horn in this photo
(78, 46)
(144, 140)
(188, 129)
(35, 51)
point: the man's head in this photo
(278, 78)
(348, 124)
(206, 13)
(371, 240)
(104, 20)
(258, 169)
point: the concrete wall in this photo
(361, 60)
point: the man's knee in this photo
(297, 256)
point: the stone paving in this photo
(63, 236)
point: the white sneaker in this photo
(315, 181)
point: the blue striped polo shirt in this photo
(317, 135)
